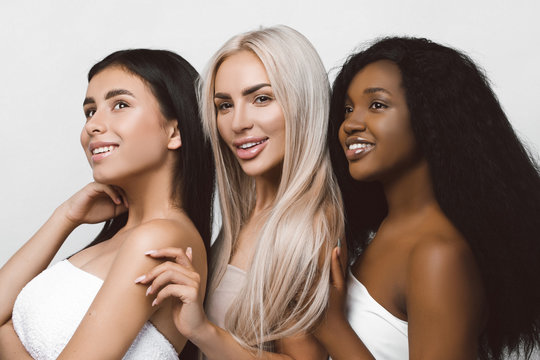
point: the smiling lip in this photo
(101, 149)
(357, 147)
(249, 147)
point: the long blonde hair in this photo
(286, 289)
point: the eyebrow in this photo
(375, 90)
(247, 91)
(110, 94)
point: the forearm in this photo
(10, 344)
(31, 259)
(218, 344)
(342, 343)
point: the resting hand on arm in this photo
(94, 203)
(335, 332)
(178, 279)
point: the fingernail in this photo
(150, 252)
(338, 243)
(154, 303)
(139, 279)
(148, 290)
(189, 252)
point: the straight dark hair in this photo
(172, 81)
(484, 179)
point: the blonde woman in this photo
(264, 103)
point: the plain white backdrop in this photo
(47, 48)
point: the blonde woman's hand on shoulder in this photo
(177, 278)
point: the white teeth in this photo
(102, 150)
(250, 144)
(360, 146)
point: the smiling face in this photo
(125, 134)
(249, 119)
(376, 134)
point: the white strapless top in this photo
(385, 335)
(220, 300)
(49, 309)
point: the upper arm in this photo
(121, 307)
(444, 301)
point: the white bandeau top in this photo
(385, 335)
(49, 309)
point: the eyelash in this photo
(262, 99)
(377, 105)
(224, 106)
(119, 105)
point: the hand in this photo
(94, 203)
(177, 279)
(336, 304)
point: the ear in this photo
(175, 140)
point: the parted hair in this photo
(172, 81)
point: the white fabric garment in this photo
(385, 335)
(220, 300)
(49, 309)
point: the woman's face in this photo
(376, 134)
(249, 119)
(125, 134)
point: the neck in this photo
(410, 193)
(149, 196)
(266, 188)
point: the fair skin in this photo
(418, 266)
(251, 123)
(130, 146)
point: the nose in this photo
(241, 120)
(353, 123)
(95, 125)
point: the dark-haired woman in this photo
(442, 205)
(144, 141)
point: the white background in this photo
(47, 48)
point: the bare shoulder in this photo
(441, 252)
(160, 233)
(443, 276)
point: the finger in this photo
(177, 254)
(173, 277)
(122, 194)
(113, 194)
(338, 278)
(185, 294)
(166, 266)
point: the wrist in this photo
(61, 218)
(203, 334)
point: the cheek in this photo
(85, 140)
(342, 137)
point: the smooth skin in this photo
(120, 109)
(246, 109)
(418, 266)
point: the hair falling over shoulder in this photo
(172, 81)
(485, 180)
(287, 286)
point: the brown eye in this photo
(120, 105)
(88, 113)
(262, 99)
(348, 109)
(377, 105)
(224, 106)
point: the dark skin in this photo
(418, 266)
